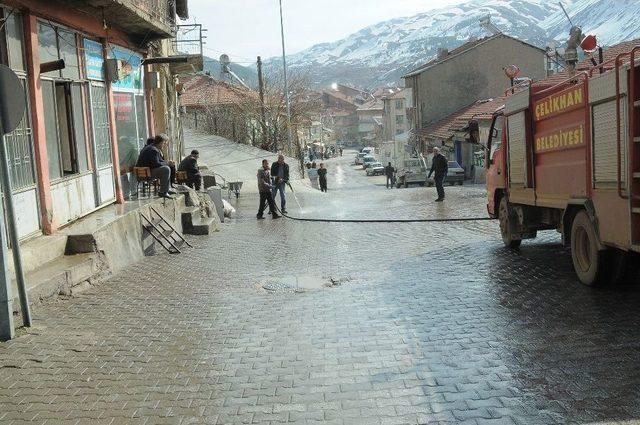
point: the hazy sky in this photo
(245, 29)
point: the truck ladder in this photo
(634, 142)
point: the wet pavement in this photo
(393, 324)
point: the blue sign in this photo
(94, 62)
(133, 69)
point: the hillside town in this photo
(432, 219)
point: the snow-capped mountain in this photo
(382, 53)
(612, 21)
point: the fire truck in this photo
(564, 154)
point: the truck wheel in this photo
(505, 225)
(591, 264)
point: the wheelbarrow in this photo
(234, 187)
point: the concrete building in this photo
(343, 111)
(370, 122)
(85, 121)
(472, 71)
(397, 108)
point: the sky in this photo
(245, 29)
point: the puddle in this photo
(301, 283)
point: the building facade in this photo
(396, 113)
(89, 112)
(472, 71)
(370, 122)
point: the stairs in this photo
(162, 231)
(49, 272)
(194, 224)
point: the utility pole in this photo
(286, 85)
(263, 114)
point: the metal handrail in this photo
(583, 74)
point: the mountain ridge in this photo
(380, 54)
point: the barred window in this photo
(100, 125)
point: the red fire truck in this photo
(565, 155)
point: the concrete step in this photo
(202, 226)
(189, 215)
(65, 275)
(39, 251)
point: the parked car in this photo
(368, 150)
(359, 157)
(413, 170)
(375, 169)
(367, 161)
(455, 175)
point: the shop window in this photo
(48, 46)
(64, 125)
(57, 43)
(68, 47)
(14, 35)
(51, 129)
(20, 153)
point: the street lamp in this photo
(286, 85)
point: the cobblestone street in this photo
(426, 322)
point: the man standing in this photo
(280, 174)
(264, 187)
(388, 171)
(440, 166)
(151, 157)
(190, 165)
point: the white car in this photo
(375, 169)
(367, 161)
(359, 158)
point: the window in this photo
(14, 34)
(399, 119)
(20, 153)
(57, 43)
(399, 104)
(65, 128)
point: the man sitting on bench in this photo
(151, 157)
(190, 165)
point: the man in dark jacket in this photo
(190, 165)
(264, 187)
(151, 157)
(439, 166)
(280, 175)
(388, 171)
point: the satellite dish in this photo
(13, 100)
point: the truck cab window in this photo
(496, 136)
